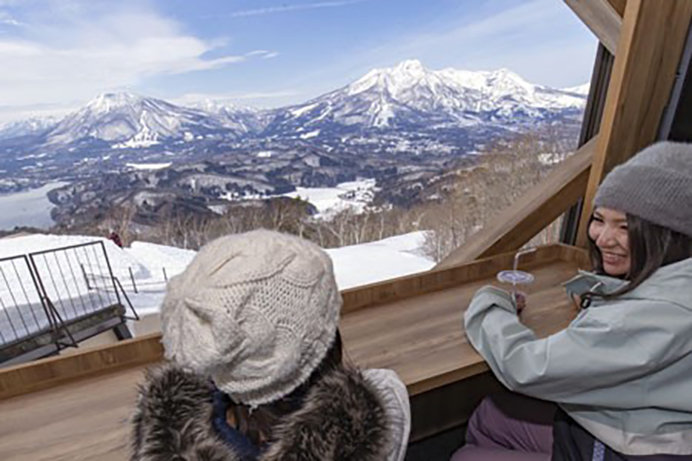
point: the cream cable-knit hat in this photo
(256, 311)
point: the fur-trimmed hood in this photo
(342, 418)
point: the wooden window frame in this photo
(648, 49)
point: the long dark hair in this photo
(651, 246)
(257, 424)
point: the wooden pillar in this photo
(652, 38)
(619, 6)
(601, 17)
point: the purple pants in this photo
(509, 427)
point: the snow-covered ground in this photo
(371, 262)
(148, 166)
(150, 265)
(28, 208)
(355, 195)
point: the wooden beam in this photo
(439, 279)
(601, 18)
(532, 212)
(45, 373)
(619, 6)
(651, 42)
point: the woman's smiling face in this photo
(608, 229)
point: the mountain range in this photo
(408, 96)
(405, 97)
(399, 125)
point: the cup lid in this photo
(515, 277)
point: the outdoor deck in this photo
(418, 335)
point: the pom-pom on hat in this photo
(256, 311)
(655, 184)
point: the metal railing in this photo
(46, 290)
(22, 311)
(138, 284)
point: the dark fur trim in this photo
(172, 420)
(341, 418)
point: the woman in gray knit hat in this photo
(616, 384)
(251, 330)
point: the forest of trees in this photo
(457, 204)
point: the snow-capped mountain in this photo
(399, 101)
(401, 126)
(579, 89)
(398, 114)
(28, 127)
(239, 118)
(411, 96)
(124, 120)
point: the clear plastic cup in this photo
(515, 276)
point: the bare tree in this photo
(507, 169)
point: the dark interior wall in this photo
(677, 120)
(681, 129)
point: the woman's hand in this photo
(519, 301)
(490, 296)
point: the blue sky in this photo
(58, 54)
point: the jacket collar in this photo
(669, 283)
(342, 417)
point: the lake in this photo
(27, 208)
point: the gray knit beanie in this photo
(256, 311)
(655, 184)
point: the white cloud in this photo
(81, 55)
(270, 55)
(7, 19)
(288, 8)
(256, 52)
(264, 54)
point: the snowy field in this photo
(372, 262)
(148, 166)
(355, 195)
(28, 208)
(151, 264)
